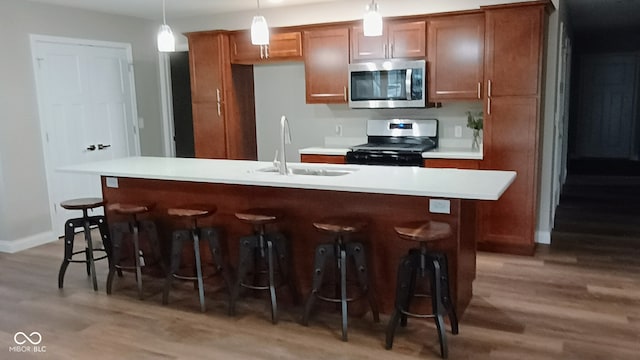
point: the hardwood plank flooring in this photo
(570, 302)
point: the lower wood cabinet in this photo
(324, 159)
(452, 163)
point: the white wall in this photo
(24, 189)
(280, 90)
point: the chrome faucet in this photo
(285, 138)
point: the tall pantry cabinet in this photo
(513, 78)
(222, 99)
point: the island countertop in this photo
(413, 181)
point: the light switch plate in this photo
(112, 182)
(439, 206)
(458, 131)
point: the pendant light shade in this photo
(259, 29)
(166, 40)
(372, 21)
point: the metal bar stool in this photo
(428, 265)
(194, 233)
(133, 226)
(339, 251)
(84, 222)
(269, 248)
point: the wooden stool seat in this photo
(258, 216)
(424, 231)
(195, 212)
(340, 225)
(82, 203)
(130, 209)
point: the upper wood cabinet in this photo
(326, 61)
(401, 39)
(456, 57)
(513, 50)
(282, 46)
(222, 99)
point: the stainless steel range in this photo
(399, 142)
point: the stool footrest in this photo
(422, 316)
(337, 300)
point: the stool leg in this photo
(69, 236)
(196, 250)
(412, 291)
(136, 251)
(176, 251)
(343, 291)
(212, 237)
(356, 251)
(406, 268)
(91, 264)
(436, 300)
(117, 232)
(248, 244)
(105, 236)
(149, 227)
(322, 252)
(446, 295)
(284, 264)
(272, 282)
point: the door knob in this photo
(91, 147)
(101, 146)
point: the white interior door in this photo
(87, 110)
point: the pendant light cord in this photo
(164, 15)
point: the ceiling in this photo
(584, 14)
(152, 9)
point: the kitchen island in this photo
(384, 196)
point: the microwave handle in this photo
(407, 83)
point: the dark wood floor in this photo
(580, 300)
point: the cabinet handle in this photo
(218, 95)
(489, 89)
(488, 106)
(345, 92)
(266, 51)
(384, 50)
(479, 85)
(261, 52)
(219, 110)
(391, 48)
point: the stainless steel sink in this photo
(313, 171)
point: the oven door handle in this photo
(407, 83)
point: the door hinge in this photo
(39, 60)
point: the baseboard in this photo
(14, 246)
(543, 237)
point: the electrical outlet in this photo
(439, 206)
(112, 182)
(458, 131)
(339, 130)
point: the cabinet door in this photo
(282, 46)
(206, 56)
(513, 50)
(452, 163)
(367, 47)
(324, 159)
(326, 59)
(456, 57)
(407, 39)
(511, 143)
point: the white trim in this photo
(543, 237)
(14, 246)
(166, 98)
(36, 39)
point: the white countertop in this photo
(442, 152)
(397, 180)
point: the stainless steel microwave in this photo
(388, 84)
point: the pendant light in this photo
(372, 21)
(259, 29)
(166, 40)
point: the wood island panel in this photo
(300, 208)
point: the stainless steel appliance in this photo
(388, 84)
(398, 142)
